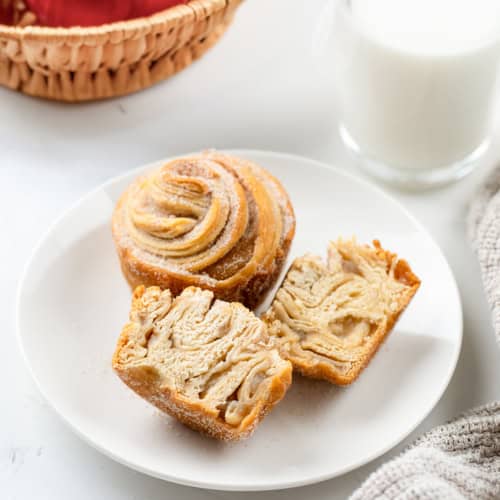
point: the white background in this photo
(257, 89)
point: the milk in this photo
(415, 79)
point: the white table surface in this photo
(256, 89)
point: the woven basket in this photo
(79, 64)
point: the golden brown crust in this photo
(264, 221)
(345, 362)
(194, 415)
(140, 368)
(402, 270)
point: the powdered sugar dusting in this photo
(192, 218)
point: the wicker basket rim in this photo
(179, 14)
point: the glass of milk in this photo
(415, 83)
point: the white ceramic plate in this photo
(73, 302)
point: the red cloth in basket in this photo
(94, 12)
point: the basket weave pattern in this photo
(78, 64)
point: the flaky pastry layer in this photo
(209, 220)
(207, 362)
(330, 319)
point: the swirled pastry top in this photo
(213, 357)
(330, 319)
(210, 220)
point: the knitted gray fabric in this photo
(459, 460)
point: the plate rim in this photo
(237, 486)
